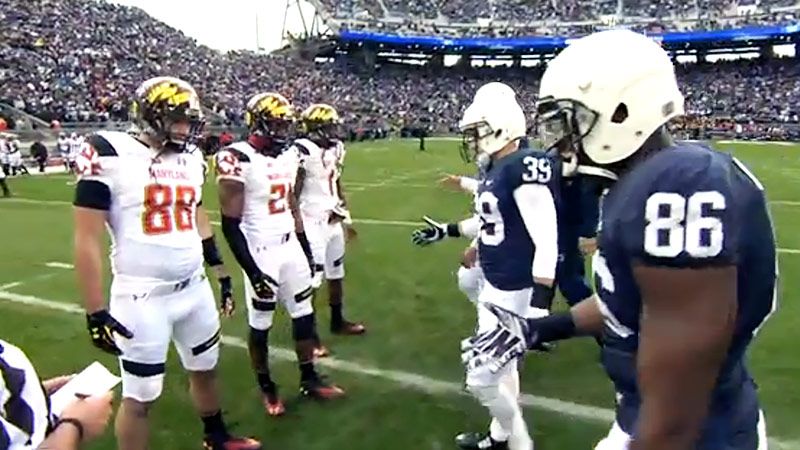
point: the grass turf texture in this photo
(409, 300)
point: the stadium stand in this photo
(78, 61)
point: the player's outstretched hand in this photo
(452, 182)
(93, 413)
(227, 306)
(263, 285)
(102, 326)
(433, 233)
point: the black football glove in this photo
(435, 232)
(226, 304)
(102, 326)
(263, 285)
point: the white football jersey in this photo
(63, 145)
(268, 184)
(154, 200)
(321, 165)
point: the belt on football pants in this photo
(262, 244)
(175, 287)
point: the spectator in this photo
(39, 153)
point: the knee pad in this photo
(469, 282)
(303, 328)
(484, 393)
(142, 389)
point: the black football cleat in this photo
(479, 441)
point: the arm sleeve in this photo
(538, 210)
(469, 184)
(238, 243)
(470, 227)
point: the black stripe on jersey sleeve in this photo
(101, 145)
(92, 194)
(239, 155)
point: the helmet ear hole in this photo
(620, 114)
(498, 133)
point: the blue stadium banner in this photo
(550, 43)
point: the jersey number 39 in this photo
(677, 224)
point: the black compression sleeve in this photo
(238, 244)
(555, 327)
(92, 194)
(452, 230)
(211, 252)
(303, 239)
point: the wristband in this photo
(452, 230)
(211, 252)
(542, 297)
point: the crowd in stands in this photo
(514, 17)
(78, 60)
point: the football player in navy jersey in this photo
(517, 250)
(686, 267)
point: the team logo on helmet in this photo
(161, 102)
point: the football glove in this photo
(226, 304)
(102, 326)
(434, 233)
(263, 285)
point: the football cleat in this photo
(273, 404)
(478, 441)
(231, 443)
(349, 329)
(320, 351)
(319, 389)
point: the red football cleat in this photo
(349, 329)
(321, 351)
(319, 389)
(232, 443)
(273, 404)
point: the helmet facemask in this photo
(473, 144)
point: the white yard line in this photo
(399, 223)
(411, 380)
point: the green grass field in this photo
(404, 378)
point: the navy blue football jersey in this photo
(505, 248)
(687, 206)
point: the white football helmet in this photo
(606, 94)
(492, 121)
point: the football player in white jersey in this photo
(147, 191)
(265, 232)
(4, 153)
(63, 150)
(321, 199)
(75, 143)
